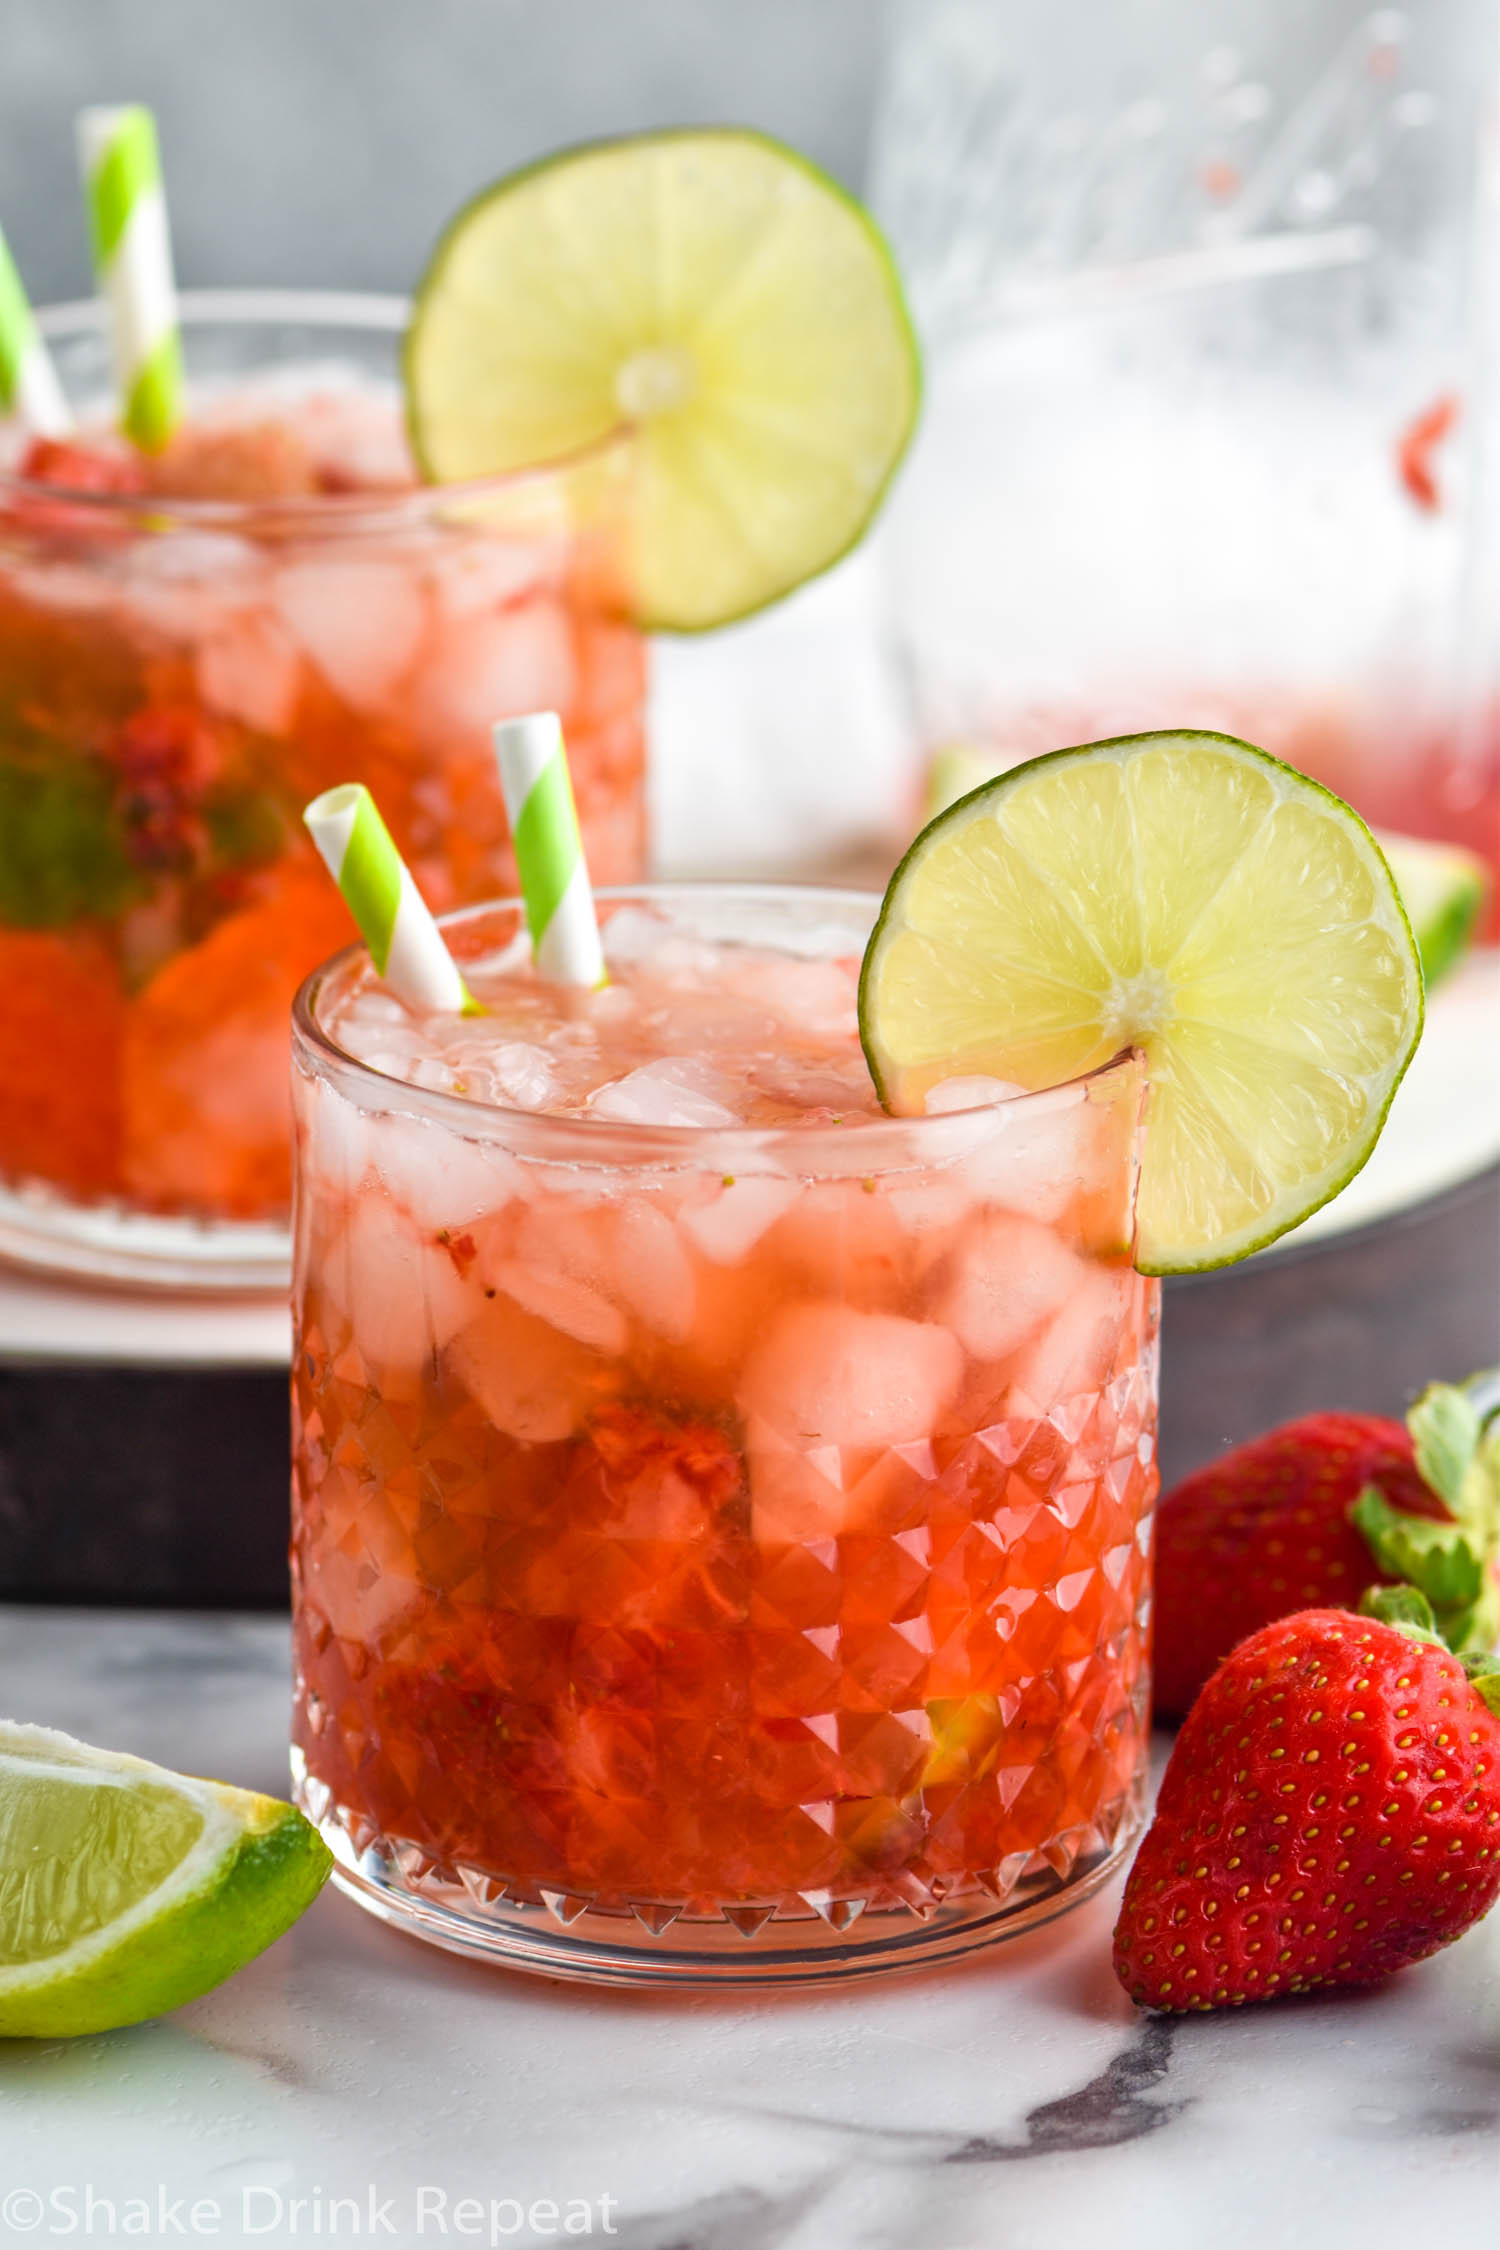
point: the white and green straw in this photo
(405, 942)
(549, 850)
(29, 387)
(133, 263)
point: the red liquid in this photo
(706, 1542)
(172, 692)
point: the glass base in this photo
(109, 1242)
(749, 1944)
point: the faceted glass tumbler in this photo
(178, 676)
(719, 1556)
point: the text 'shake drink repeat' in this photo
(722, 1511)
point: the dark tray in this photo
(170, 1486)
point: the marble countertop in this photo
(1010, 2103)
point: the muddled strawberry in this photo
(74, 467)
(1416, 446)
(166, 758)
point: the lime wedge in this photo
(717, 295)
(957, 768)
(128, 1889)
(1443, 889)
(1180, 893)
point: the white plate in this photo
(1444, 1128)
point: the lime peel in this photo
(1189, 895)
(171, 1883)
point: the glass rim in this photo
(332, 309)
(609, 1142)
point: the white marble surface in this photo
(1013, 2102)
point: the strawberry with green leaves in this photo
(1330, 1813)
(1310, 1514)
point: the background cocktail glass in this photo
(177, 678)
(606, 1664)
(1210, 303)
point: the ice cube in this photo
(361, 1604)
(568, 1305)
(848, 1243)
(818, 996)
(1074, 1352)
(969, 1093)
(1007, 1276)
(443, 1181)
(362, 623)
(827, 1376)
(184, 584)
(520, 1074)
(60, 586)
(217, 458)
(495, 665)
(675, 1091)
(249, 667)
(527, 1376)
(652, 1273)
(612, 671)
(931, 1203)
(341, 1139)
(1037, 1158)
(634, 933)
(825, 1380)
(729, 1223)
(390, 1048)
(469, 574)
(402, 1295)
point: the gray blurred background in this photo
(327, 141)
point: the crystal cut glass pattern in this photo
(946, 1714)
(679, 1601)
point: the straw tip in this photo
(531, 730)
(99, 123)
(333, 804)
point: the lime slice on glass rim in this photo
(129, 1889)
(715, 294)
(1184, 894)
(1442, 886)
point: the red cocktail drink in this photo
(190, 647)
(722, 1511)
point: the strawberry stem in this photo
(1455, 1433)
(1404, 1607)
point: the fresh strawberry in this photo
(1330, 1813)
(1311, 1514)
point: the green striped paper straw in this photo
(549, 849)
(405, 942)
(29, 387)
(133, 262)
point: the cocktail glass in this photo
(719, 1554)
(177, 678)
(1210, 304)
